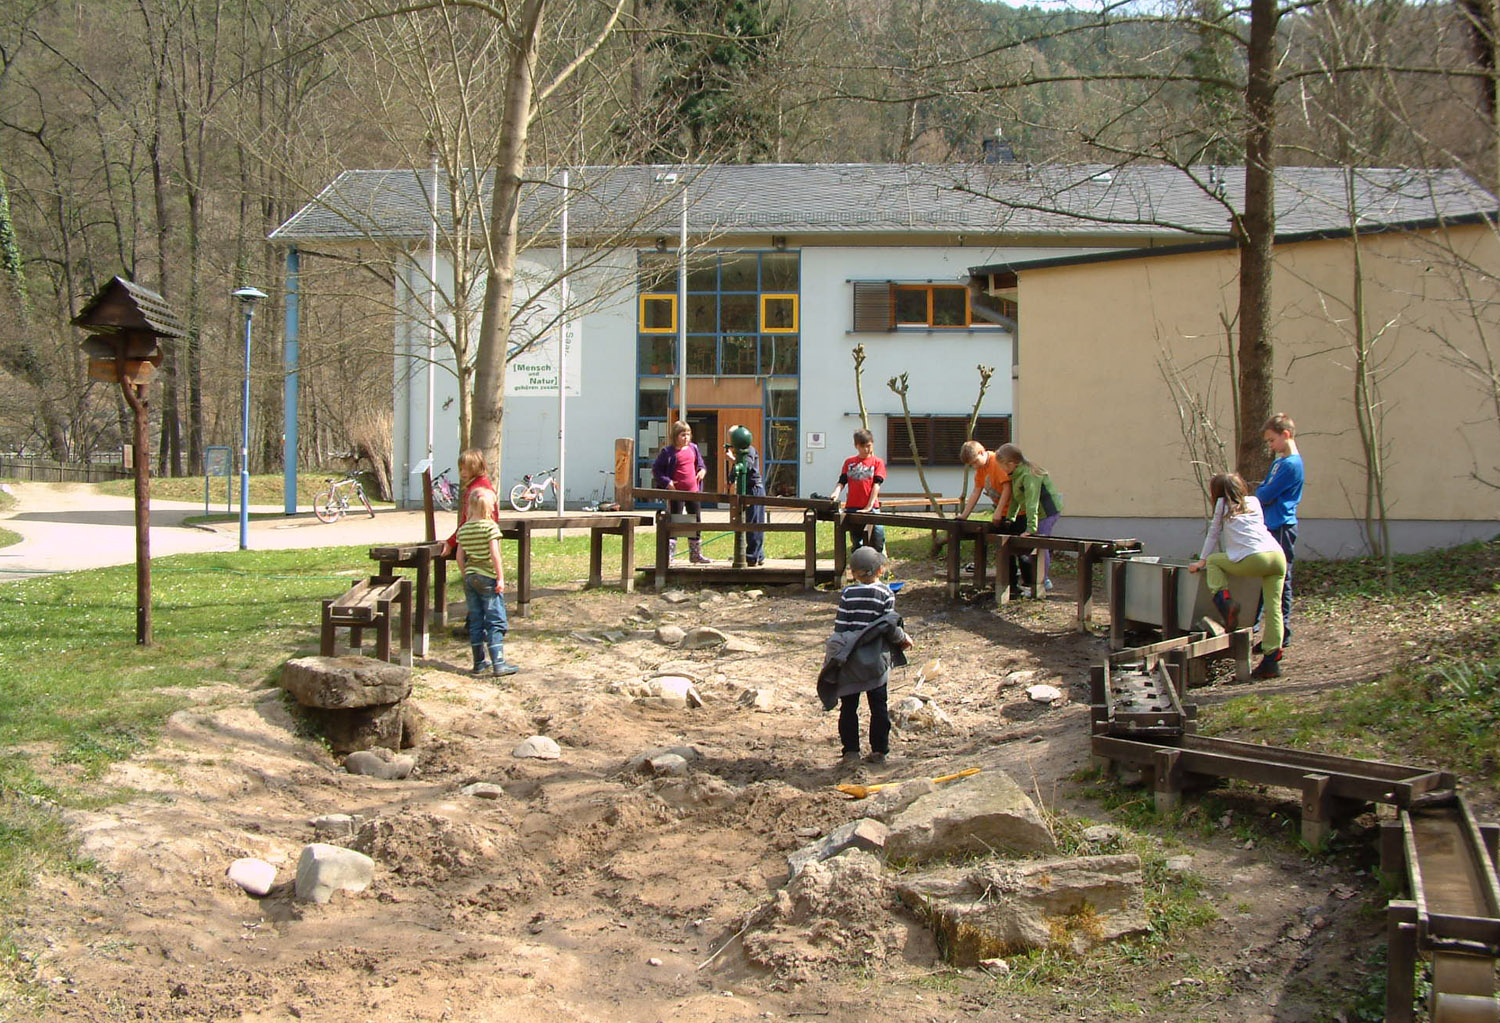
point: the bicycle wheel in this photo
(444, 498)
(359, 492)
(326, 507)
(522, 497)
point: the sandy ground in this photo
(590, 894)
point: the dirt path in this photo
(589, 894)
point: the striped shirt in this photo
(474, 537)
(862, 604)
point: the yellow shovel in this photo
(861, 791)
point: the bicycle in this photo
(601, 501)
(531, 492)
(333, 503)
(444, 493)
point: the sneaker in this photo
(1269, 667)
(699, 559)
(875, 757)
(849, 758)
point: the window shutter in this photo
(939, 438)
(873, 306)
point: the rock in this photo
(585, 637)
(675, 597)
(676, 691)
(737, 645)
(255, 876)
(1099, 834)
(614, 635)
(834, 914)
(380, 763)
(361, 728)
(670, 635)
(696, 792)
(333, 826)
(483, 790)
(996, 966)
(640, 761)
(918, 714)
(703, 637)
(1018, 678)
(413, 725)
(888, 802)
(1042, 693)
(644, 610)
(754, 594)
(325, 869)
(538, 747)
(1001, 908)
(866, 834)
(653, 961)
(668, 765)
(338, 683)
(763, 700)
(1179, 864)
(985, 813)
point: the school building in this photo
(1104, 298)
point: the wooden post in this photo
(810, 549)
(1401, 960)
(1086, 562)
(1317, 809)
(625, 473)
(1167, 765)
(135, 397)
(1169, 629)
(427, 504)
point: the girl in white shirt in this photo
(1249, 550)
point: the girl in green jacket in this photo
(1034, 499)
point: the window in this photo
(890, 305)
(778, 314)
(940, 437)
(658, 314)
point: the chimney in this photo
(998, 150)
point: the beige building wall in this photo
(1099, 341)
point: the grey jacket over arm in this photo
(858, 661)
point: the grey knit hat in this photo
(866, 560)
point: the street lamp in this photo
(672, 178)
(248, 296)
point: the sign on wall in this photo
(535, 331)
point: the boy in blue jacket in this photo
(1279, 494)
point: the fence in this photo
(46, 470)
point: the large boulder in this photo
(362, 728)
(337, 683)
(866, 834)
(325, 869)
(981, 814)
(1002, 908)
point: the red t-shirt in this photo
(860, 475)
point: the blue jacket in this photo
(1280, 491)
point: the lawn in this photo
(225, 493)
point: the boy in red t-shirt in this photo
(862, 474)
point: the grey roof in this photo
(1132, 202)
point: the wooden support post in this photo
(981, 557)
(1002, 571)
(383, 630)
(627, 557)
(523, 567)
(810, 550)
(356, 639)
(1317, 809)
(418, 642)
(1393, 854)
(1169, 628)
(663, 548)
(596, 559)
(840, 549)
(1167, 767)
(1087, 559)
(1117, 604)
(440, 590)
(1239, 646)
(1098, 682)
(954, 564)
(325, 640)
(1401, 960)
(406, 623)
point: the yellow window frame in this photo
(641, 314)
(781, 297)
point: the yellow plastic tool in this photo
(861, 791)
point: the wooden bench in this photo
(432, 581)
(367, 605)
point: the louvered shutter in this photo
(873, 306)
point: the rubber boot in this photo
(480, 665)
(498, 663)
(695, 551)
(672, 549)
(1229, 608)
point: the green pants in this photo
(1267, 566)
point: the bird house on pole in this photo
(125, 321)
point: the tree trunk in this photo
(500, 279)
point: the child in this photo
(1036, 501)
(484, 585)
(989, 475)
(863, 474)
(472, 474)
(867, 639)
(1249, 550)
(1279, 494)
(680, 466)
(755, 485)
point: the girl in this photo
(1036, 500)
(1249, 550)
(484, 584)
(679, 466)
(473, 475)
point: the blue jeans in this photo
(1287, 537)
(487, 621)
(755, 543)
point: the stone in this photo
(996, 966)
(1043, 693)
(325, 869)
(413, 725)
(1000, 908)
(615, 635)
(677, 691)
(754, 594)
(255, 876)
(866, 834)
(696, 792)
(670, 635)
(675, 597)
(667, 765)
(380, 763)
(703, 637)
(888, 802)
(644, 610)
(1099, 834)
(739, 645)
(538, 747)
(483, 790)
(335, 825)
(339, 683)
(361, 728)
(1179, 864)
(762, 700)
(640, 761)
(919, 714)
(984, 813)
(586, 637)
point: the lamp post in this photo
(672, 178)
(248, 296)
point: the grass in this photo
(264, 489)
(8, 537)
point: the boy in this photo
(1279, 494)
(989, 475)
(484, 584)
(867, 639)
(862, 474)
